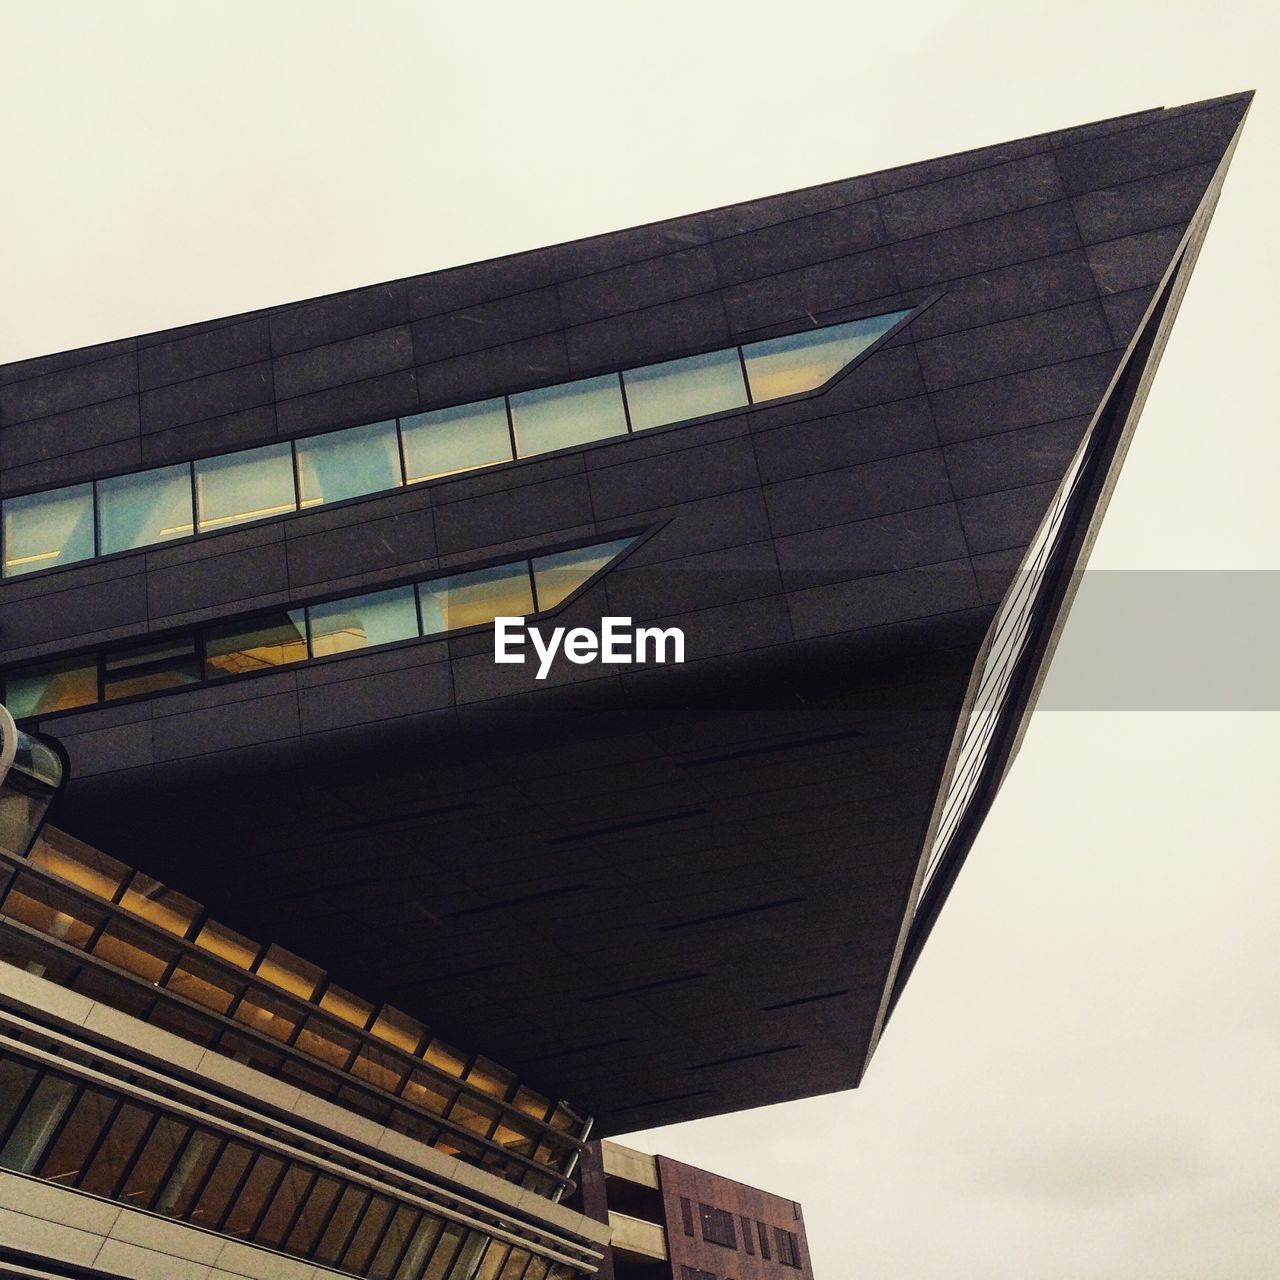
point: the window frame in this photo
(905, 315)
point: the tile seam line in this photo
(1040, 204)
(1151, 115)
(927, 390)
(888, 244)
(142, 435)
(566, 329)
(1082, 247)
(147, 570)
(70, 351)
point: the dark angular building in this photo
(851, 442)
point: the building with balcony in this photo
(342, 934)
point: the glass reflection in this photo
(678, 390)
(569, 414)
(558, 576)
(348, 464)
(113, 1156)
(249, 485)
(381, 617)
(149, 669)
(53, 686)
(804, 361)
(40, 1118)
(142, 509)
(339, 626)
(88, 1118)
(445, 441)
(271, 641)
(473, 599)
(46, 529)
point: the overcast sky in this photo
(1081, 1078)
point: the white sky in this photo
(1081, 1079)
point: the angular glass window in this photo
(314, 1215)
(538, 1268)
(445, 1057)
(67, 858)
(468, 1256)
(205, 984)
(515, 1264)
(258, 1185)
(249, 485)
(164, 907)
(291, 973)
(443, 1255)
(288, 1198)
(428, 1092)
(380, 1068)
(382, 617)
(37, 1124)
(142, 509)
(267, 1014)
(112, 1158)
(154, 1161)
(473, 1114)
(150, 668)
(558, 576)
(66, 1158)
(348, 464)
(473, 599)
(51, 910)
(394, 1242)
(802, 361)
(342, 1004)
(572, 413)
(43, 530)
(424, 1239)
(228, 945)
(134, 951)
(320, 1039)
(52, 686)
(491, 1078)
(398, 1029)
(340, 1226)
(274, 640)
(445, 441)
(678, 390)
(15, 1080)
(367, 1234)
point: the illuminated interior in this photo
(122, 513)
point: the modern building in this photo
(343, 930)
(670, 1221)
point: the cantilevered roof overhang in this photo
(665, 892)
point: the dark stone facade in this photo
(668, 892)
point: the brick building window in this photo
(763, 1233)
(747, 1242)
(788, 1247)
(717, 1226)
(692, 1273)
(686, 1213)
